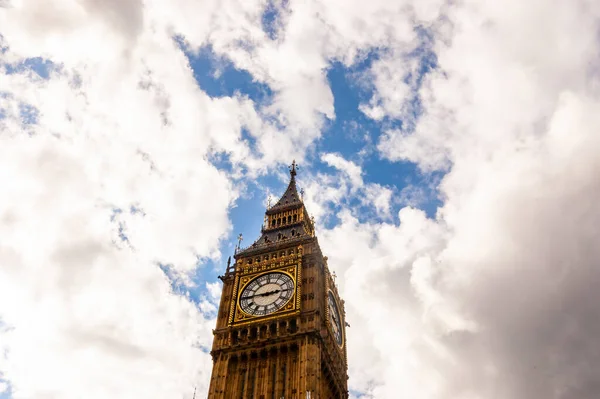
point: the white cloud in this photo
(327, 192)
(499, 305)
(214, 290)
(380, 198)
(394, 79)
(87, 313)
(387, 329)
(349, 168)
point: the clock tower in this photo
(280, 327)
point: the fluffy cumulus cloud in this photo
(104, 203)
(495, 296)
(113, 194)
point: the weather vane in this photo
(239, 244)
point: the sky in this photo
(448, 152)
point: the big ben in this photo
(280, 329)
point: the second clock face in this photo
(334, 317)
(266, 294)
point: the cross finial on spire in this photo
(239, 244)
(293, 168)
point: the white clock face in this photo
(334, 318)
(267, 294)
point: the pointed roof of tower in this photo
(290, 198)
(279, 230)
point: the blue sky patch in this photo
(29, 114)
(271, 17)
(7, 394)
(40, 66)
(218, 77)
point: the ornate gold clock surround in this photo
(238, 317)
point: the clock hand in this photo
(265, 293)
(272, 292)
(335, 318)
(269, 293)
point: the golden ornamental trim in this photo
(239, 317)
(277, 315)
(232, 302)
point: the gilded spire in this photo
(291, 197)
(286, 220)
